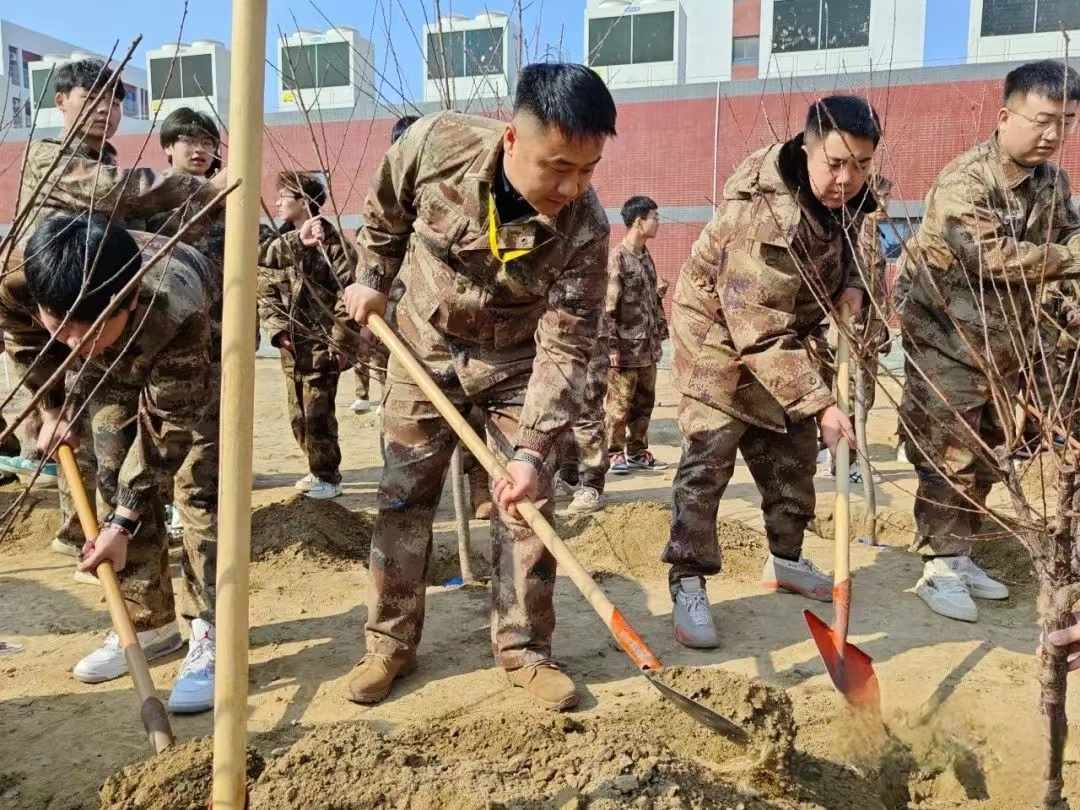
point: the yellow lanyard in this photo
(493, 236)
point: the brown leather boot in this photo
(371, 679)
(550, 686)
(480, 493)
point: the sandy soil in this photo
(959, 700)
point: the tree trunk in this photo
(868, 531)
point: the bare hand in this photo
(1069, 640)
(835, 426)
(312, 232)
(220, 181)
(55, 429)
(362, 301)
(111, 545)
(852, 298)
(521, 481)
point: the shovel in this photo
(151, 710)
(628, 639)
(851, 670)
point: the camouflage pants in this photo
(364, 374)
(583, 452)
(947, 521)
(418, 444)
(782, 465)
(631, 395)
(310, 396)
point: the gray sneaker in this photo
(586, 501)
(802, 577)
(691, 614)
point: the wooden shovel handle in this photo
(632, 643)
(842, 508)
(153, 715)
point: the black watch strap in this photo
(127, 524)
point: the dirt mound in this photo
(627, 539)
(893, 528)
(178, 779)
(647, 754)
(302, 527)
(33, 524)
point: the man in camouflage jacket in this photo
(999, 228)
(776, 258)
(501, 244)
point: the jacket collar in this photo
(1013, 172)
(788, 171)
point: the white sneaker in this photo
(824, 457)
(65, 548)
(193, 690)
(107, 661)
(85, 578)
(323, 490)
(305, 483)
(691, 615)
(945, 591)
(562, 488)
(174, 526)
(802, 577)
(360, 406)
(586, 500)
(980, 584)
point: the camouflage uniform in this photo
(747, 301)
(143, 396)
(635, 320)
(298, 293)
(512, 339)
(994, 225)
(583, 454)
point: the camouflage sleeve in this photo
(25, 340)
(612, 295)
(170, 407)
(758, 303)
(565, 338)
(345, 333)
(390, 209)
(274, 294)
(980, 238)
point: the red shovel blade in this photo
(851, 670)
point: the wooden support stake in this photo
(461, 515)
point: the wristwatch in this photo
(129, 526)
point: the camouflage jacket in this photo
(756, 288)
(299, 297)
(80, 179)
(993, 233)
(162, 356)
(466, 316)
(633, 309)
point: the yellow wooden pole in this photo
(244, 161)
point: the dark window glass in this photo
(484, 52)
(845, 25)
(1053, 14)
(162, 84)
(448, 59)
(332, 59)
(744, 50)
(298, 67)
(197, 74)
(654, 38)
(609, 41)
(795, 25)
(1003, 17)
(44, 87)
(131, 101)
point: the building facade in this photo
(468, 62)
(325, 70)
(183, 75)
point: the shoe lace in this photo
(200, 658)
(644, 457)
(112, 641)
(949, 583)
(588, 495)
(697, 606)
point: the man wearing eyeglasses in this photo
(999, 225)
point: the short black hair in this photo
(1048, 78)
(186, 122)
(637, 207)
(306, 186)
(851, 114)
(89, 74)
(401, 125)
(59, 251)
(571, 97)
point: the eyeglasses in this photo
(205, 144)
(1061, 124)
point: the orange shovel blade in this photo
(851, 670)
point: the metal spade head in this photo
(702, 714)
(851, 670)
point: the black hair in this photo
(306, 186)
(401, 125)
(186, 122)
(1048, 78)
(89, 74)
(851, 114)
(637, 207)
(570, 97)
(59, 251)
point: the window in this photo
(43, 88)
(454, 54)
(27, 58)
(13, 71)
(634, 39)
(16, 112)
(744, 50)
(188, 76)
(1005, 17)
(307, 67)
(810, 25)
(131, 101)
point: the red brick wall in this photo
(746, 18)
